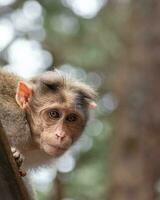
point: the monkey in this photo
(43, 116)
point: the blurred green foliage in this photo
(93, 44)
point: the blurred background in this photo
(113, 45)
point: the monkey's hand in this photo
(19, 160)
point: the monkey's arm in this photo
(15, 125)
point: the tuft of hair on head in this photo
(84, 91)
(50, 79)
(87, 91)
(54, 80)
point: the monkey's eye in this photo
(72, 117)
(54, 114)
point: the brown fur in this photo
(12, 117)
(30, 129)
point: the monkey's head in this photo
(57, 109)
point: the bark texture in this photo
(11, 185)
(135, 152)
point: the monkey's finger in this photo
(18, 157)
(13, 149)
(19, 161)
(16, 154)
(22, 173)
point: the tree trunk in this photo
(11, 185)
(135, 152)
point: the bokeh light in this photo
(27, 58)
(42, 178)
(83, 8)
(32, 10)
(7, 33)
(6, 2)
(66, 163)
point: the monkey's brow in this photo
(63, 106)
(53, 86)
(80, 100)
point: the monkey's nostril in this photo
(59, 136)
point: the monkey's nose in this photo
(60, 136)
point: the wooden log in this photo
(11, 184)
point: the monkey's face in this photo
(60, 128)
(57, 109)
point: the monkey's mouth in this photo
(54, 150)
(58, 147)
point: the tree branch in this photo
(11, 184)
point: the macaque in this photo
(43, 117)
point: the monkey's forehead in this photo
(68, 98)
(55, 80)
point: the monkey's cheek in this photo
(53, 151)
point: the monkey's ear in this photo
(89, 94)
(92, 105)
(24, 92)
